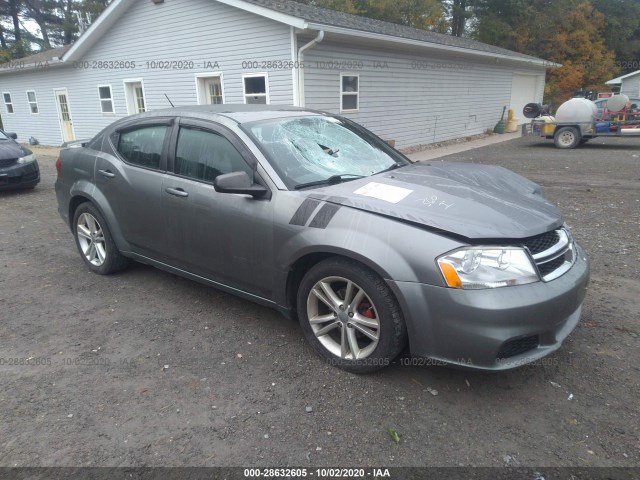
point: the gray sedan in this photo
(315, 216)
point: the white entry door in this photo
(136, 101)
(64, 115)
(210, 89)
(524, 89)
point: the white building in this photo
(628, 84)
(410, 85)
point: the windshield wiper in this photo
(392, 167)
(332, 180)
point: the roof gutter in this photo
(432, 46)
(301, 51)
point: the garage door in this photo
(523, 91)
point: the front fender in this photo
(394, 249)
(360, 246)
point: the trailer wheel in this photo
(567, 137)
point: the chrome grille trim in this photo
(563, 242)
(569, 259)
(563, 252)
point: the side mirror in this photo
(238, 182)
(12, 135)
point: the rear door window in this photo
(143, 146)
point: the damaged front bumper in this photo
(493, 329)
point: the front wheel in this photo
(94, 241)
(567, 137)
(349, 316)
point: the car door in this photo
(131, 182)
(224, 237)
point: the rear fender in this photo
(85, 189)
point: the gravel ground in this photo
(239, 378)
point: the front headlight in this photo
(27, 159)
(487, 267)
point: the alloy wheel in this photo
(343, 318)
(91, 239)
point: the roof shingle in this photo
(41, 57)
(334, 18)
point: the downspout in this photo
(301, 51)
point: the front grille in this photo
(550, 267)
(552, 252)
(517, 346)
(7, 162)
(542, 242)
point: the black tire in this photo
(567, 137)
(113, 260)
(392, 335)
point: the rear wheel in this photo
(94, 241)
(349, 316)
(567, 137)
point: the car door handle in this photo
(106, 173)
(178, 192)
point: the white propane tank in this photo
(617, 103)
(577, 110)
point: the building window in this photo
(256, 89)
(210, 90)
(33, 101)
(106, 99)
(8, 102)
(136, 102)
(64, 108)
(140, 99)
(349, 92)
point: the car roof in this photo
(238, 113)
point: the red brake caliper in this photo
(365, 309)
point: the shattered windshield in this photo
(316, 148)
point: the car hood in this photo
(470, 200)
(10, 149)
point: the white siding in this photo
(192, 30)
(418, 99)
(631, 86)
